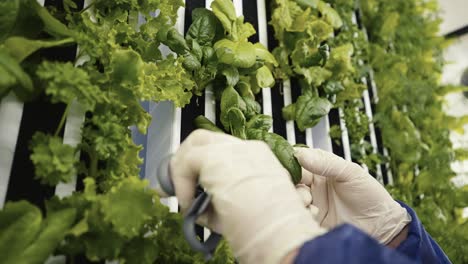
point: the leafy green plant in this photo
(405, 52)
(120, 64)
(324, 63)
(238, 69)
(326, 53)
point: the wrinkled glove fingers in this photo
(314, 212)
(187, 161)
(305, 194)
(327, 164)
(307, 177)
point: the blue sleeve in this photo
(347, 244)
(419, 246)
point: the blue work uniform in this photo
(347, 244)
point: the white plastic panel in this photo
(320, 135)
(344, 136)
(465, 213)
(210, 101)
(453, 14)
(160, 141)
(11, 112)
(210, 104)
(239, 7)
(263, 39)
(372, 135)
(72, 137)
(208, 4)
(387, 167)
(309, 138)
(290, 132)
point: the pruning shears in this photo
(198, 207)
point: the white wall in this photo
(455, 16)
(454, 13)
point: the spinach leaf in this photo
(195, 49)
(239, 54)
(11, 69)
(54, 229)
(8, 17)
(51, 25)
(333, 87)
(263, 54)
(224, 10)
(192, 52)
(289, 112)
(20, 223)
(243, 87)
(20, 48)
(282, 150)
(307, 111)
(27, 237)
(173, 39)
(6, 82)
(264, 77)
(230, 98)
(252, 107)
(204, 28)
(261, 122)
(19, 19)
(208, 54)
(203, 122)
(237, 122)
(232, 75)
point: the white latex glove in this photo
(344, 192)
(254, 203)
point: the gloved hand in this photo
(254, 203)
(344, 192)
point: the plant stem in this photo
(62, 120)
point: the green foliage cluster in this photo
(237, 70)
(350, 100)
(322, 46)
(116, 217)
(325, 63)
(405, 52)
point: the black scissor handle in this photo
(164, 176)
(198, 207)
